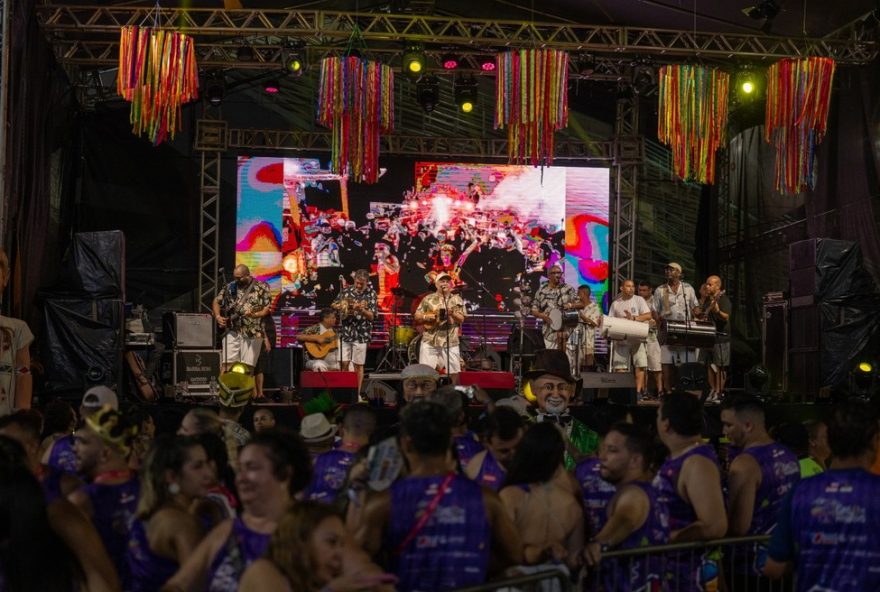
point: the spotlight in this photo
(466, 94)
(865, 367)
(272, 86)
(768, 9)
(862, 377)
(414, 61)
(449, 61)
(428, 92)
(487, 63)
(748, 84)
(757, 380)
(215, 88)
(586, 65)
(642, 81)
(294, 59)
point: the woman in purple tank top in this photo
(164, 532)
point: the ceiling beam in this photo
(323, 27)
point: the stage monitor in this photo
(496, 228)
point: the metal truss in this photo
(316, 27)
(209, 217)
(625, 181)
(5, 10)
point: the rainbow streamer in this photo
(355, 100)
(692, 118)
(798, 99)
(531, 99)
(157, 74)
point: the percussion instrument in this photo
(617, 329)
(686, 333)
(563, 319)
(403, 335)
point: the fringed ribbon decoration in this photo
(355, 100)
(157, 74)
(692, 118)
(798, 98)
(531, 99)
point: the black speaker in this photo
(280, 374)
(774, 342)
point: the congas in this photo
(617, 329)
(686, 333)
(403, 335)
(563, 319)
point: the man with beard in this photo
(102, 446)
(443, 314)
(554, 387)
(554, 295)
(674, 301)
(503, 430)
(635, 516)
(358, 306)
(239, 309)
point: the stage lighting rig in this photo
(767, 10)
(215, 88)
(428, 92)
(272, 86)
(415, 63)
(487, 63)
(466, 94)
(294, 58)
(450, 61)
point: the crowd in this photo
(444, 492)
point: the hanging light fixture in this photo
(466, 90)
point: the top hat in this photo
(553, 362)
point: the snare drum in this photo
(617, 329)
(563, 319)
(686, 333)
(403, 335)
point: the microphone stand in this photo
(482, 287)
(448, 327)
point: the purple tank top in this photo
(692, 572)
(597, 492)
(834, 518)
(149, 571)
(63, 457)
(646, 573)
(113, 509)
(243, 547)
(328, 477)
(780, 471)
(491, 473)
(467, 447)
(452, 549)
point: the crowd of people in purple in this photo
(437, 494)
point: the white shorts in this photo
(435, 357)
(622, 353)
(652, 349)
(238, 348)
(353, 352)
(324, 365)
(677, 355)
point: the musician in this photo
(357, 305)
(553, 295)
(239, 308)
(443, 313)
(674, 301)
(717, 309)
(652, 346)
(581, 342)
(323, 333)
(387, 270)
(633, 307)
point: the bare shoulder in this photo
(473, 467)
(263, 575)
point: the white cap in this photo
(98, 396)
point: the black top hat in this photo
(553, 362)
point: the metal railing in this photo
(543, 581)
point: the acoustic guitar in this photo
(319, 351)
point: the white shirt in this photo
(681, 302)
(635, 306)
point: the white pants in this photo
(435, 357)
(238, 348)
(330, 363)
(353, 352)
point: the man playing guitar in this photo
(239, 308)
(321, 346)
(554, 295)
(357, 305)
(442, 314)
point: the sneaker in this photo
(714, 398)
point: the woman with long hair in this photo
(543, 508)
(305, 555)
(273, 467)
(26, 537)
(165, 531)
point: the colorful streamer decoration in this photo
(531, 99)
(157, 74)
(692, 118)
(356, 100)
(798, 98)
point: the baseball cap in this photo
(99, 396)
(440, 276)
(674, 266)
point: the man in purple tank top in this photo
(504, 429)
(760, 476)
(438, 528)
(331, 468)
(635, 517)
(689, 483)
(827, 525)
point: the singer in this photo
(674, 301)
(442, 314)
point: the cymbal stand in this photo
(391, 360)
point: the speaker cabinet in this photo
(188, 330)
(774, 342)
(196, 368)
